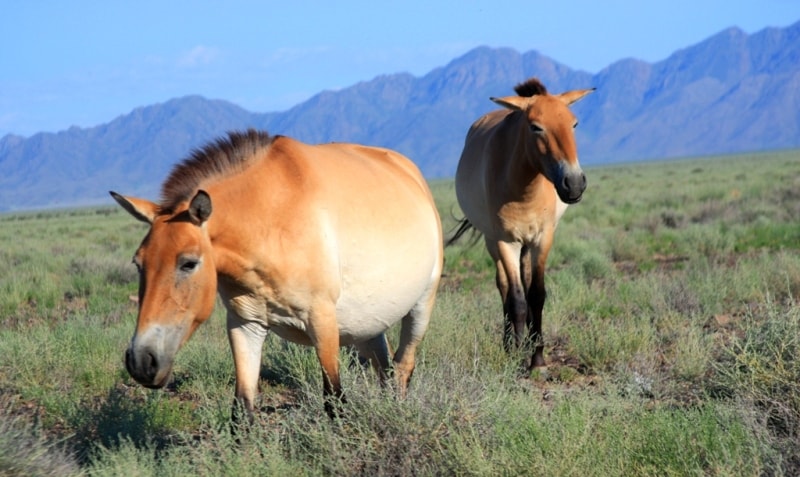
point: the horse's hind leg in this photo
(377, 352)
(413, 328)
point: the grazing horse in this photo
(517, 173)
(326, 245)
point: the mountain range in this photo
(733, 92)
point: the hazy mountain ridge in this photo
(730, 93)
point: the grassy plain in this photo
(671, 330)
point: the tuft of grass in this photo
(761, 369)
(26, 451)
(770, 236)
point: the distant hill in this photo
(730, 93)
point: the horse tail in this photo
(463, 227)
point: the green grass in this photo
(671, 331)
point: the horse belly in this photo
(378, 273)
(382, 280)
(363, 311)
(471, 193)
(363, 314)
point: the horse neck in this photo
(240, 233)
(524, 169)
(228, 230)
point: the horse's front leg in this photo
(512, 292)
(534, 261)
(323, 329)
(247, 340)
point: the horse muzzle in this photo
(571, 186)
(148, 367)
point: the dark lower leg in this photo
(332, 395)
(536, 298)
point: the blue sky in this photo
(84, 63)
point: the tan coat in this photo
(518, 171)
(325, 245)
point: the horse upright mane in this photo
(222, 157)
(529, 88)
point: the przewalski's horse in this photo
(325, 245)
(517, 173)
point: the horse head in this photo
(177, 284)
(548, 132)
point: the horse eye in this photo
(536, 129)
(188, 264)
(575, 125)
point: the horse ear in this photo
(516, 103)
(143, 210)
(200, 207)
(572, 96)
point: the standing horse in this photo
(325, 245)
(517, 173)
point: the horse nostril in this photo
(128, 361)
(568, 183)
(574, 183)
(143, 369)
(150, 365)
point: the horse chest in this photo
(527, 223)
(247, 306)
(260, 307)
(525, 232)
(290, 324)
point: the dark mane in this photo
(216, 159)
(529, 88)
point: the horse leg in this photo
(510, 286)
(536, 296)
(501, 281)
(246, 340)
(526, 272)
(412, 329)
(376, 351)
(324, 333)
